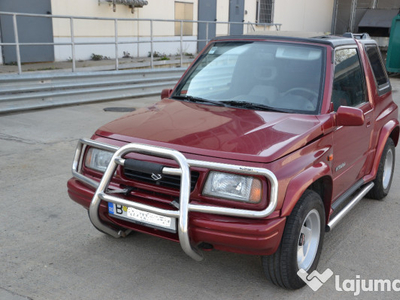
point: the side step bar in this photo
(332, 223)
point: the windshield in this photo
(257, 75)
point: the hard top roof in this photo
(333, 41)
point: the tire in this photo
(304, 227)
(384, 176)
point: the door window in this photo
(348, 85)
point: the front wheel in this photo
(301, 243)
(384, 176)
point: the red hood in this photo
(223, 132)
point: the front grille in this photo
(168, 181)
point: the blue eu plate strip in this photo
(111, 208)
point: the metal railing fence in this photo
(29, 91)
(116, 42)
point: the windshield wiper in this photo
(198, 99)
(245, 104)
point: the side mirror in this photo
(349, 116)
(166, 93)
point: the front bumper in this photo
(230, 229)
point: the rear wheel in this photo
(384, 176)
(301, 243)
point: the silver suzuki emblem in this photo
(156, 176)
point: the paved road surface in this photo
(49, 249)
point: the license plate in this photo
(142, 217)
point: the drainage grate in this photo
(120, 109)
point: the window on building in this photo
(184, 11)
(348, 84)
(265, 11)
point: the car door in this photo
(351, 144)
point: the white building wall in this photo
(304, 15)
(294, 15)
(250, 16)
(222, 16)
(128, 31)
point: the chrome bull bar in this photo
(183, 171)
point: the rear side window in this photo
(377, 65)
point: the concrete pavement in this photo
(49, 249)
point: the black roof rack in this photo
(358, 36)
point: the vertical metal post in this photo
(206, 33)
(272, 11)
(151, 45)
(229, 28)
(116, 43)
(181, 44)
(334, 16)
(17, 43)
(138, 44)
(71, 23)
(352, 15)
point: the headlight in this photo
(97, 159)
(234, 187)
